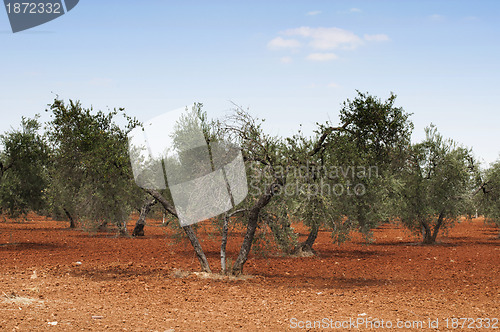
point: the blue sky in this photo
(291, 62)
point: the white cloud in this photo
(314, 12)
(318, 42)
(280, 42)
(327, 38)
(355, 10)
(377, 38)
(286, 59)
(436, 17)
(333, 85)
(322, 56)
(471, 18)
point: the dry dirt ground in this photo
(56, 279)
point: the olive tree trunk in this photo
(430, 235)
(205, 267)
(224, 244)
(307, 245)
(141, 222)
(253, 220)
(72, 223)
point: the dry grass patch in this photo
(13, 298)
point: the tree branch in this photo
(166, 204)
(326, 133)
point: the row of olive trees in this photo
(77, 168)
(355, 175)
(382, 176)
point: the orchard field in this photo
(56, 279)
(305, 219)
(250, 166)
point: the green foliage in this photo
(278, 219)
(262, 153)
(370, 151)
(490, 198)
(90, 170)
(309, 191)
(340, 178)
(23, 177)
(437, 185)
(379, 131)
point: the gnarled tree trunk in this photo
(72, 223)
(426, 233)
(141, 222)
(437, 227)
(205, 267)
(253, 220)
(430, 235)
(306, 246)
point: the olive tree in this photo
(23, 169)
(184, 161)
(266, 175)
(374, 146)
(352, 168)
(90, 174)
(310, 192)
(490, 198)
(312, 176)
(437, 185)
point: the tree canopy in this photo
(90, 174)
(23, 169)
(437, 185)
(490, 194)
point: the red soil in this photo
(149, 284)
